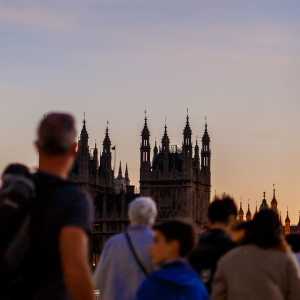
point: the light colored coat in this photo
(252, 273)
(118, 276)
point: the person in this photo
(175, 279)
(216, 241)
(263, 269)
(293, 240)
(240, 232)
(16, 197)
(125, 260)
(61, 219)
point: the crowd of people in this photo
(46, 221)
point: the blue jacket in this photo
(174, 281)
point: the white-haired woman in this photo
(125, 260)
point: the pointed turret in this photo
(96, 156)
(248, 215)
(205, 152)
(197, 156)
(120, 174)
(274, 202)
(83, 157)
(106, 172)
(107, 141)
(165, 142)
(287, 227)
(145, 149)
(84, 134)
(264, 203)
(241, 213)
(127, 180)
(187, 135)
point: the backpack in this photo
(17, 195)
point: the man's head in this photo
(222, 211)
(172, 240)
(142, 211)
(56, 141)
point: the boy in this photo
(175, 279)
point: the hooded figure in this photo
(175, 280)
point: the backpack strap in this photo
(135, 255)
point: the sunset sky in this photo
(236, 62)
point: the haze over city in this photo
(235, 62)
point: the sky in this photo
(236, 62)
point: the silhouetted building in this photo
(111, 194)
(178, 179)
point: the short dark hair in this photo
(266, 229)
(56, 133)
(220, 210)
(293, 240)
(179, 231)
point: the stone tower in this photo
(177, 178)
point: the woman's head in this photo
(266, 229)
(142, 211)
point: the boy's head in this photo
(172, 240)
(222, 211)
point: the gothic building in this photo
(286, 226)
(178, 179)
(111, 195)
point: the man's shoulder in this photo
(71, 193)
(216, 237)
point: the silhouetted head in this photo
(56, 141)
(222, 210)
(16, 169)
(172, 240)
(241, 231)
(266, 229)
(293, 240)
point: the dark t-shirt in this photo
(211, 247)
(59, 204)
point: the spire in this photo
(120, 174)
(84, 135)
(155, 149)
(107, 141)
(187, 132)
(165, 140)
(287, 219)
(274, 202)
(287, 228)
(197, 150)
(145, 132)
(241, 213)
(95, 153)
(126, 173)
(205, 152)
(264, 203)
(248, 215)
(206, 138)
